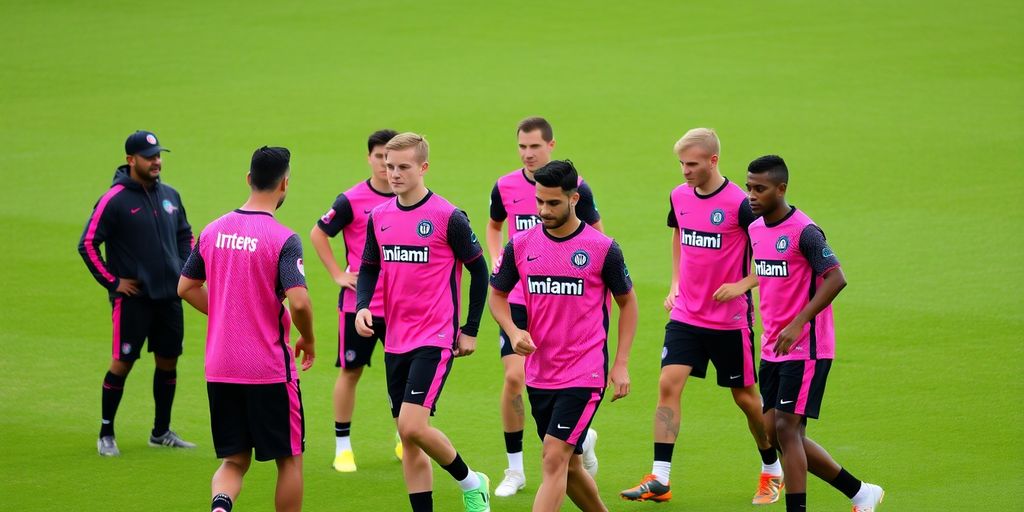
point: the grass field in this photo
(902, 123)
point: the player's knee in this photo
(669, 388)
(238, 462)
(514, 382)
(785, 427)
(351, 375)
(554, 459)
(410, 431)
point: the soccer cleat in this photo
(868, 503)
(649, 489)
(107, 446)
(170, 440)
(513, 482)
(589, 455)
(479, 499)
(768, 489)
(345, 462)
(398, 447)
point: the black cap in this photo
(143, 143)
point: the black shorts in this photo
(355, 351)
(417, 377)
(564, 414)
(267, 418)
(796, 387)
(137, 319)
(518, 318)
(731, 351)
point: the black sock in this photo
(113, 389)
(422, 501)
(342, 429)
(221, 501)
(796, 502)
(514, 442)
(663, 451)
(846, 483)
(164, 382)
(458, 469)
(768, 456)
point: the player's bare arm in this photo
(521, 341)
(301, 309)
(673, 291)
(322, 244)
(193, 292)
(833, 283)
(629, 315)
(730, 291)
(493, 236)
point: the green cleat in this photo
(479, 499)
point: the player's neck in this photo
(380, 185)
(530, 174)
(778, 213)
(414, 196)
(260, 203)
(146, 184)
(714, 183)
(566, 229)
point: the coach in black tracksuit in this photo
(141, 223)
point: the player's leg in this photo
(227, 480)
(130, 319)
(166, 334)
(232, 441)
(571, 414)
(581, 487)
(354, 354)
(288, 495)
(555, 464)
(416, 468)
(513, 412)
(278, 426)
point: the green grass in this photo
(901, 121)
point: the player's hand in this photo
(127, 286)
(347, 280)
(728, 291)
(620, 380)
(787, 337)
(304, 351)
(465, 346)
(522, 343)
(670, 301)
(364, 323)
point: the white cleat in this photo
(868, 498)
(107, 446)
(513, 482)
(589, 455)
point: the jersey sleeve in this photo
(290, 272)
(184, 235)
(506, 275)
(614, 273)
(101, 224)
(371, 252)
(498, 213)
(746, 215)
(195, 265)
(461, 238)
(339, 216)
(586, 209)
(814, 247)
(672, 222)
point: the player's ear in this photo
(283, 187)
(248, 179)
(424, 167)
(714, 159)
(574, 199)
(782, 187)
(551, 144)
(129, 159)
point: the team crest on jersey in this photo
(328, 217)
(580, 259)
(718, 216)
(782, 244)
(424, 229)
(827, 252)
(302, 268)
(168, 207)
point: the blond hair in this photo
(410, 140)
(703, 137)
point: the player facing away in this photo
(799, 276)
(417, 244)
(348, 215)
(142, 226)
(566, 269)
(513, 199)
(250, 263)
(709, 320)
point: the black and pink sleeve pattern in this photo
(813, 246)
(614, 272)
(195, 266)
(290, 271)
(506, 277)
(339, 216)
(461, 238)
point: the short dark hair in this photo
(269, 166)
(774, 165)
(558, 173)
(537, 123)
(379, 138)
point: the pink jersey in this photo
(420, 250)
(791, 258)
(714, 250)
(248, 261)
(567, 282)
(514, 198)
(348, 215)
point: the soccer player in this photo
(417, 244)
(142, 225)
(799, 276)
(513, 199)
(251, 263)
(566, 270)
(348, 215)
(709, 217)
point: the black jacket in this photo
(145, 234)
